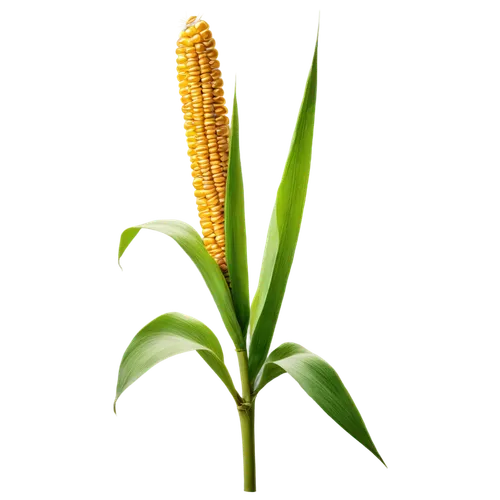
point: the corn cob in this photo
(206, 125)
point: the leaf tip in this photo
(115, 407)
(119, 264)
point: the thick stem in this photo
(247, 420)
(246, 390)
(248, 439)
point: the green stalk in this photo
(247, 449)
(246, 411)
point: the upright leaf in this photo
(236, 239)
(322, 383)
(166, 336)
(283, 230)
(191, 243)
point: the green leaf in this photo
(126, 239)
(322, 383)
(283, 230)
(192, 244)
(166, 336)
(236, 239)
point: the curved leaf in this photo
(283, 230)
(236, 239)
(322, 383)
(166, 336)
(271, 368)
(192, 244)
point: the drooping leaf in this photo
(166, 336)
(192, 244)
(283, 230)
(322, 383)
(236, 240)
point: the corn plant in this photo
(221, 255)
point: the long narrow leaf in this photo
(166, 336)
(284, 229)
(236, 240)
(191, 243)
(322, 383)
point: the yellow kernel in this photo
(212, 54)
(179, 47)
(209, 44)
(219, 100)
(201, 26)
(196, 39)
(206, 35)
(222, 120)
